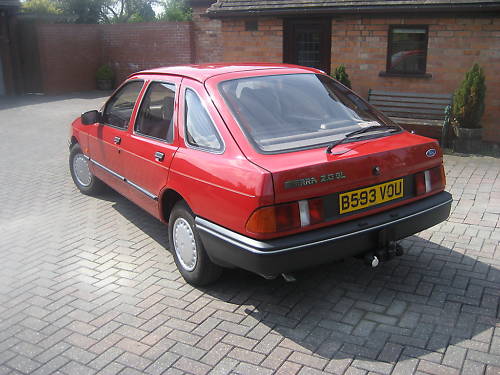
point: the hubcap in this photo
(184, 244)
(81, 170)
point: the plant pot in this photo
(467, 140)
(104, 84)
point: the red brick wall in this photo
(132, 47)
(455, 44)
(207, 37)
(69, 57)
(263, 45)
(71, 54)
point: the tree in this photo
(84, 11)
(116, 11)
(108, 11)
(341, 75)
(175, 10)
(41, 7)
(468, 100)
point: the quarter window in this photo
(155, 118)
(407, 50)
(200, 130)
(119, 109)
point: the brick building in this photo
(394, 45)
(8, 51)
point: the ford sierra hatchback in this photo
(266, 167)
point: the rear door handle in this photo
(117, 140)
(159, 156)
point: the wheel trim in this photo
(184, 244)
(81, 170)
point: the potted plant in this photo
(104, 77)
(467, 110)
(341, 75)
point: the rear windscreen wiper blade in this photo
(359, 132)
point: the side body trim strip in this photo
(119, 176)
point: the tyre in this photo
(83, 178)
(189, 253)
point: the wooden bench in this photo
(421, 112)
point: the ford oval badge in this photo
(431, 152)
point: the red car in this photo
(266, 167)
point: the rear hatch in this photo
(388, 163)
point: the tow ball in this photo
(382, 255)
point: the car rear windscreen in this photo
(296, 111)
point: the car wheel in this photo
(189, 253)
(83, 178)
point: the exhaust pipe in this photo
(289, 278)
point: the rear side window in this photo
(119, 109)
(200, 130)
(155, 118)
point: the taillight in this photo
(316, 211)
(287, 216)
(274, 218)
(430, 180)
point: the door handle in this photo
(159, 156)
(117, 140)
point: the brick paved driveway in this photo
(86, 285)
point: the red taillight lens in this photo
(430, 180)
(274, 218)
(316, 211)
(285, 217)
(419, 183)
(438, 178)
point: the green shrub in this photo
(41, 7)
(341, 75)
(104, 73)
(468, 100)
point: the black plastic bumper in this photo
(271, 257)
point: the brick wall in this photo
(263, 45)
(132, 47)
(455, 44)
(71, 54)
(69, 57)
(207, 38)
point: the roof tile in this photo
(231, 6)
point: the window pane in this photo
(408, 50)
(289, 111)
(309, 48)
(119, 109)
(200, 131)
(157, 109)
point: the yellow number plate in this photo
(371, 196)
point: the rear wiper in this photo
(361, 131)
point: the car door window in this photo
(200, 130)
(120, 107)
(155, 118)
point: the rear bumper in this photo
(307, 249)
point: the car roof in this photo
(202, 72)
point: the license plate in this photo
(370, 196)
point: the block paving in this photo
(88, 287)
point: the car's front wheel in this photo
(190, 256)
(83, 178)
